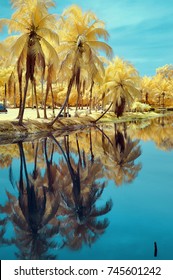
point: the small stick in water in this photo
(155, 249)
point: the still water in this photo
(99, 193)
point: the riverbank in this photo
(32, 127)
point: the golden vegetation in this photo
(56, 62)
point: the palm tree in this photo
(78, 49)
(147, 86)
(162, 90)
(121, 85)
(31, 48)
(165, 71)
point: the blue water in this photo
(141, 213)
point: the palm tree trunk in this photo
(15, 105)
(20, 92)
(78, 88)
(21, 110)
(32, 88)
(90, 100)
(82, 94)
(5, 94)
(45, 101)
(42, 93)
(66, 100)
(53, 101)
(36, 101)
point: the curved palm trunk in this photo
(66, 100)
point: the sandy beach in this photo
(30, 113)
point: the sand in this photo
(29, 113)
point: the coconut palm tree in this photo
(79, 50)
(31, 48)
(162, 90)
(121, 85)
(166, 71)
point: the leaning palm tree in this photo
(121, 85)
(79, 50)
(31, 48)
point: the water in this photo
(100, 193)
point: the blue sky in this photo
(140, 31)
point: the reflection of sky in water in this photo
(142, 213)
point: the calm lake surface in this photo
(99, 193)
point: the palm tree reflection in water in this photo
(61, 200)
(32, 214)
(79, 196)
(119, 155)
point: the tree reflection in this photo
(79, 193)
(158, 130)
(32, 214)
(61, 196)
(119, 155)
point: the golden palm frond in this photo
(13, 25)
(97, 33)
(101, 46)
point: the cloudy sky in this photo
(140, 31)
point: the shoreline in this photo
(32, 128)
